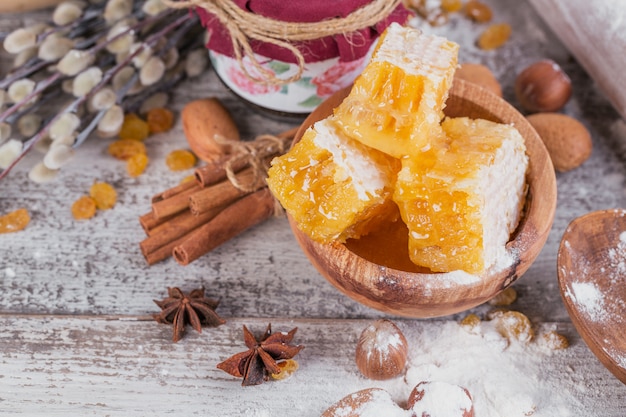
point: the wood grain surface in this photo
(76, 297)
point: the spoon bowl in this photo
(402, 290)
(592, 279)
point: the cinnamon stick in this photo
(171, 192)
(163, 252)
(174, 204)
(149, 222)
(215, 172)
(178, 226)
(222, 193)
(231, 221)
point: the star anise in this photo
(181, 309)
(262, 357)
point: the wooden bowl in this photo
(591, 268)
(413, 293)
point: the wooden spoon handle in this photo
(15, 6)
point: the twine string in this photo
(244, 26)
(255, 153)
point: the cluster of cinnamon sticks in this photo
(193, 218)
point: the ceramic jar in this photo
(332, 62)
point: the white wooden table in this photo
(76, 298)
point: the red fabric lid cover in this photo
(348, 47)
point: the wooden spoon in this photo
(592, 279)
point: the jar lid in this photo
(348, 47)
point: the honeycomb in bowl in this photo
(463, 199)
(333, 187)
(396, 104)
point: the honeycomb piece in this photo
(14, 221)
(104, 195)
(125, 148)
(134, 128)
(159, 120)
(180, 160)
(333, 187)
(494, 36)
(396, 104)
(136, 164)
(84, 208)
(462, 199)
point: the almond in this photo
(479, 75)
(568, 141)
(204, 119)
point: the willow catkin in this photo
(41, 174)
(19, 40)
(20, 89)
(9, 151)
(117, 9)
(29, 124)
(5, 132)
(152, 71)
(74, 62)
(65, 125)
(86, 81)
(58, 155)
(66, 13)
(54, 48)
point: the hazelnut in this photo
(543, 87)
(381, 351)
(567, 140)
(438, 398)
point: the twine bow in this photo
(244, 26)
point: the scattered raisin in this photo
(471, 322)
(555, 341)
(180, 160)
(104, 195)
(494, 36)
(505, 298)
(478, 11)
(14, 221)
(160, 120)
(136, 164)
(514, 325)
(451, 6)
(84, 208)
(188, 178)
(287, 368)
(125, 148)
(134, 128)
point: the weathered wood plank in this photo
(52, 365)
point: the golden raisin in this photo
(287, 368)
(514, 325)
(451, 6)
(134, 128)
(160, 120)
(180, 159)
(125, 148)
(188, 178)
(555, 341)
(470, 323)
(84, 208)
(505, 298)
(104, 195)
(494, 36)
(478, 11)
(14, 221)
(136, 164)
